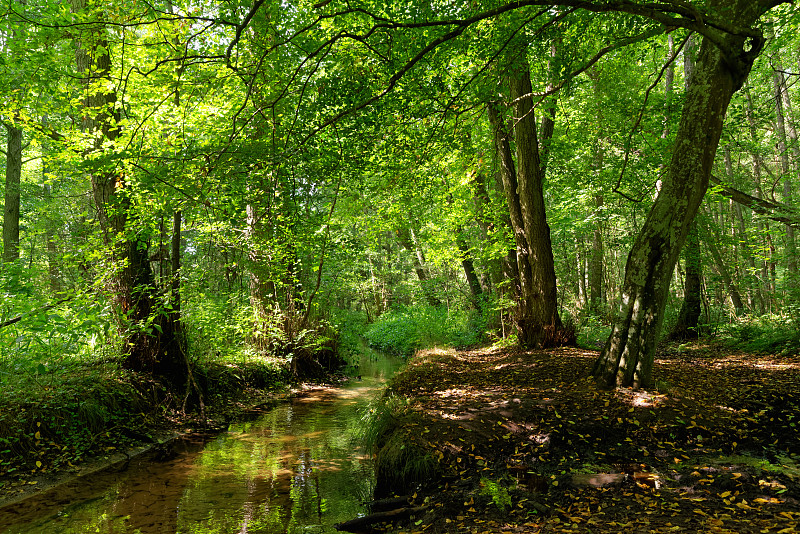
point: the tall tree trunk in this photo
(132, 285)
(492, 275)
(537, 321)
(12, 194)
(175, 256)
(596, 264)
(689, 315)
(627, 358)
(596, 261)
(261, 284)
(687, 324)
(476, 293)
(50, 247)
(764, 291)
(405, 238)
(783, 157)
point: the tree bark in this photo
(537, 321)
(12, 194)
(687, 324)
(689, 315)
(148, 337)
(783, 157)
(627, 358)
(476, 293)
(596, 265)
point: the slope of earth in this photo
(515, 441)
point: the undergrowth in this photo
(767, 334)
(403, 331)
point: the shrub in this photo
(771, 333)
(403, 331)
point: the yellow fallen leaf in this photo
(724, 494)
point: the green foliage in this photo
(403, 331)
(350, 325)
(593, 332)
(498, 493)
(770, 333)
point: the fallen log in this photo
(392, 503)
(363, 524)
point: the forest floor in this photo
(525, 442)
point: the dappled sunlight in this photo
(623, 457)
(640, 398)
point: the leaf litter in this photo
(526, 442)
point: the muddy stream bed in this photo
(297, 468)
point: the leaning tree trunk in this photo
(627, 358)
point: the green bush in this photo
(351, 326)
(403, 331)
(770, 333)
(592, 333)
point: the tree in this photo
(687, 324)
(537, 321)
(13, 154)
(723, 64)
(150, 339)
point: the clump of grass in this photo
(497, 492)
(401, 461)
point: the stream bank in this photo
(294, 467)
(98, 415)
(507, 440)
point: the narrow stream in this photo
(297, 468)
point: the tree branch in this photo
(770, 209)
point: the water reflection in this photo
(296, 469)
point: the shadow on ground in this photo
(524, 441)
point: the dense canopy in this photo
(189, 181)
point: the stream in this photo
(296, 469)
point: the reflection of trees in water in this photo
(296, 466)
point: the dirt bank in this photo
(512, 441)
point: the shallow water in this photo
(297, 468)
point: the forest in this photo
(208, 200)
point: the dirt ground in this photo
(525, 442)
